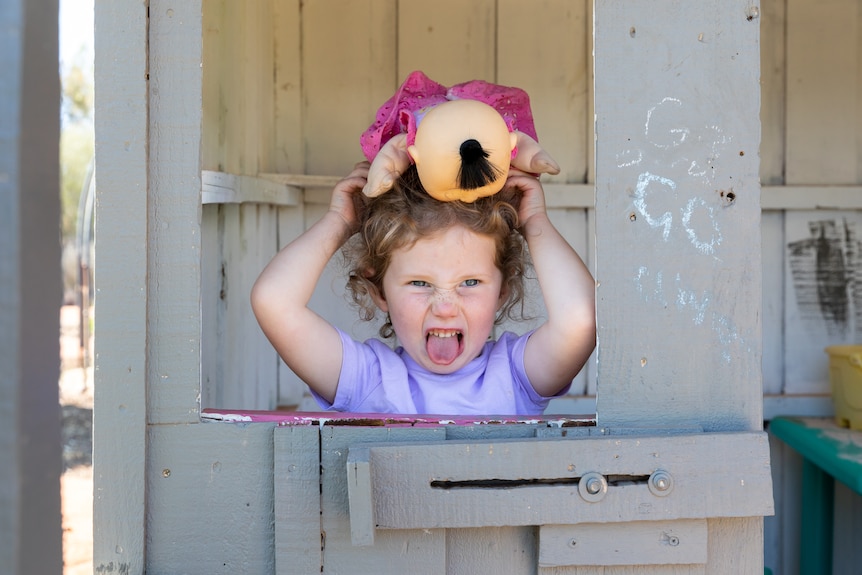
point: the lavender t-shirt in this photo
(377, 379)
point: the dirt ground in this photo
(76, 484)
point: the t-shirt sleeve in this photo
(359, 382)
(519, 373)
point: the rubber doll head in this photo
(462, 150)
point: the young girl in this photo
(443, 273)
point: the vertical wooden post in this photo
(120, 413)
(678, 214)
(30, 289)
(678, 228)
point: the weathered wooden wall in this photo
(811, 167)
(287, 87)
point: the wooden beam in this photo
(121, 282)
(30, 289)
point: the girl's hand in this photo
(347, 195)
(532, 195)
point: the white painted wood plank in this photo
(643, 543)
(823, 299)
(212, 135)
(174, 213)
(405, 498)
(554, 74)
(812, 197)
(678, 256)
(210, 498)
(393, 552)
(223, 188)
(772, 250)
(353, 76)
(288, 121)
(735, 545)
(121, 285)
(296, 500)
(773, 75)
(211, 286)
(453, 43)
(824, 110)
(498, 550)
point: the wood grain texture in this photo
(455, 484)
(174, 213)
(677, 216)
(824, 106)
(296, 499)
(121, 283)
(421, 551)
(210, 498)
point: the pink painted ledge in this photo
(297, 418)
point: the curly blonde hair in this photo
(405, 214)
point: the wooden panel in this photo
(773, 75)
(288, 122)
(173, 213)
(212, 336)
(122, 287)
(772, 250)
(213, 74)
(824, 103)
(499, 550)
(735, 545)
(644, 543)
(824, 301)
(466, 485)
(677, 209)
(554, 74)
(30, 289)
(210, 498)
(454, 42)
(296, 499)
(414, 551)
(348, 71)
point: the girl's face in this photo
(442, 295)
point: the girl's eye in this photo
(419, 283)
(471, 283)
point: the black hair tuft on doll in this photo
(476, 171)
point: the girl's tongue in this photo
(443, 347)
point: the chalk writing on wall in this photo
(675, 195)
(823, 268)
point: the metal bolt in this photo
(673, 540)
(660, 483)
(592, 487)
(166, 472)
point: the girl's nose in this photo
(444, 302)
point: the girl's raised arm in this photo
(561, 346)
(309, 345)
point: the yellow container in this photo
(845, 377)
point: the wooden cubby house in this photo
(704, 146)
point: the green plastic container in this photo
(845, 378)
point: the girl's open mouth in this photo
(444, 345)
